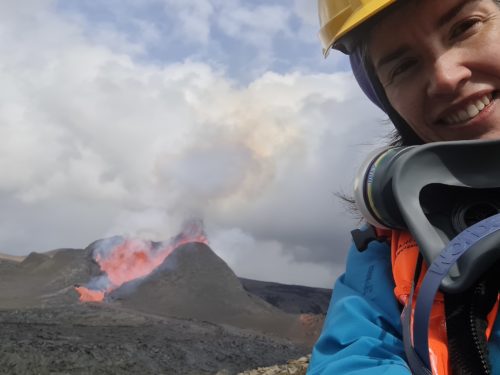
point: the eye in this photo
(463, 27)
(401, 68)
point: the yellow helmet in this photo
(339, 17)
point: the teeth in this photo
(469, 112)
(463, 115)
(472, 110)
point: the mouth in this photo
(469, 110)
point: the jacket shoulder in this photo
(362, 331)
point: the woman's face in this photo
(439, 63)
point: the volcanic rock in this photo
(193, 282)
(294, 299)
(292, 367)
(42, 279)
(187, 317)
(103, 339)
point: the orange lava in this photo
(130, 260)
(88, 295)
(135, 258)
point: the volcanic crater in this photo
(189, 315)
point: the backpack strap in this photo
(417, 366)
(436, 272)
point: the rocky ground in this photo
(96, 339)
(294, 299)
(292, 367)
(191, 316)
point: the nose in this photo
(448, 73)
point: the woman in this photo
(434, 67)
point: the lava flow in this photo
(89, 295)
(131, 259)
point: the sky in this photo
(128, 117)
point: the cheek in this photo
(407, 103)
(486, 52)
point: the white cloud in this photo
(307, 13)
(90, 135)
(194, 18)
(247, 22)
(257, 25)
(270, 261)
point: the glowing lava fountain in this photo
(130, 259)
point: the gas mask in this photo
(438, 191)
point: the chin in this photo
(492, 135)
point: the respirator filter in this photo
(373, 188)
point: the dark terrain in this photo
(294, 299)
(190, 316)
(98, 339)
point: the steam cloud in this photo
(98, 140)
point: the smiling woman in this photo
(441, 74)
(434, 68)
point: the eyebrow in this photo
(392, 56)
(448, 16)
(443, 20)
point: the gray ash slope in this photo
(186, 318)
(193, 282)
(41, 279)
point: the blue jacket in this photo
(362, 330)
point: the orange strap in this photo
(404, 255)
